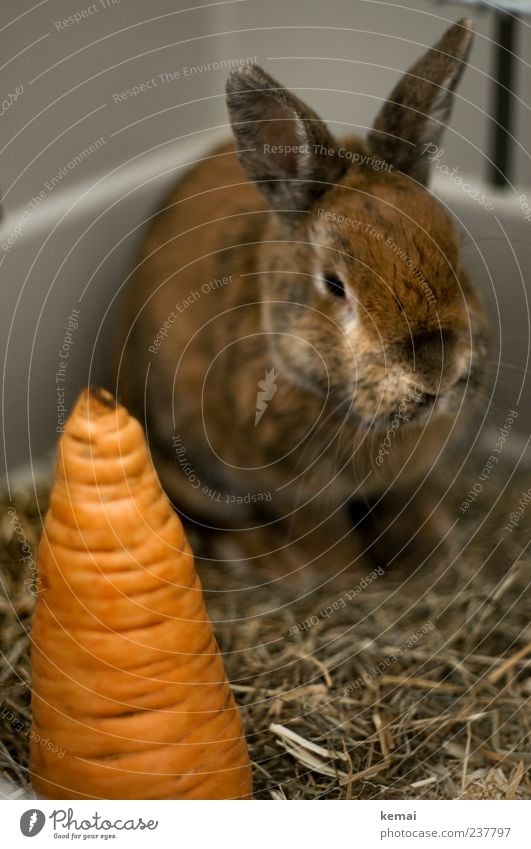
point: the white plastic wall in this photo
(82, 165)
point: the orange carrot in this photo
(130, 698)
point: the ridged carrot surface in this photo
(130, 698)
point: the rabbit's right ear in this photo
(412, 120)
(282, 144)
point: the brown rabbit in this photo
(299, 334)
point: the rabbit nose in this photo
(435, 361)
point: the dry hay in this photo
(417, 686)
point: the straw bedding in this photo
(411, 684)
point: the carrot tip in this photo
(97, 401)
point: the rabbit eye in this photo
(335, 285)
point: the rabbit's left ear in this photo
(417, 111)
